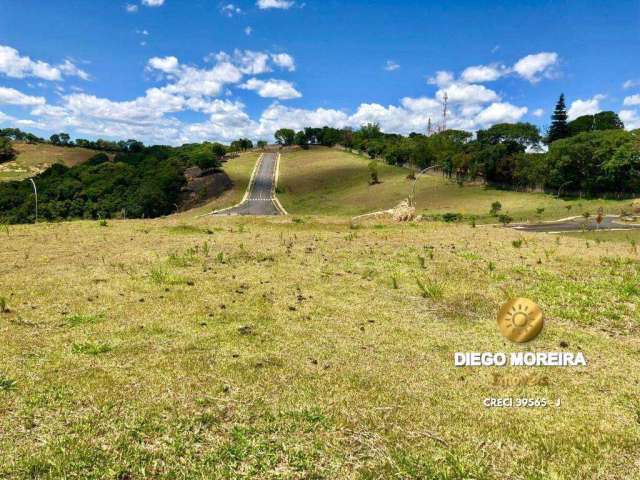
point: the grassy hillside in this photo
(280, 348)
(34, 158)
(328, 181)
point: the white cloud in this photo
(230, 10)
(12, 96)
(538, 112)
(631, 84)
(585, 107)
(630, 118)
(248, 31)
(442, 78)
(153, 3)
(391, 66)
(537, 66)
(70, 69)
(281, 4)
(467, 93)
(5, 118)
(284, 60)
(279, 89)
(278, 116)
(165, 64)
(632, 100)
(483, 73)
(421, 105)
(248, 61)
(130, 8)
(15, 65)
(500, 113)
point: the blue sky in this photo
(174, 71)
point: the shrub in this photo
(452, 217)
(495, 208)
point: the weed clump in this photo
(91, 348)
(430, 289)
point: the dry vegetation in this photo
(35, 158)
(302, 348)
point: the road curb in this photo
(246, 192)
(274, 186)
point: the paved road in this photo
(578, 224)
(260, 199)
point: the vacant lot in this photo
(33, 159)
(282, 348)
(327, 181)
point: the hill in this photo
(33, 159)
(335, 182)
(289, 348)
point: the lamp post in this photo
(412, 197)
(35, 191)
(561, 187)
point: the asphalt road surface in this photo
(260, 199)
(578, 224)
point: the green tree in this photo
(285, 136)
(559, 127)
(6, 150)
(300, 139)
(262, 144)
(524, 134)
(607, 121)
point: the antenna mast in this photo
(429, 128)
(444, 111)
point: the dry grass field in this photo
(35, 158)
(302, 348)
(333, 182)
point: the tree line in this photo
(591, 155)
(135, 184)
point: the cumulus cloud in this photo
(11, 96)
(14, 65)
(537, 66)
(589, 106)
(279, 89)
(483, 73)
(284, 60)
(532, 67)
(164, 64)
(277, 116)
(152, 3)
(131, 8)
(248, 31)
(500, 113)
(632, 100)
(391, 66)
(631, 84)
(630, 118)
(467, 93)
(442, 78)
(538, 112)
(280, 4)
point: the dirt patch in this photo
(202, 186)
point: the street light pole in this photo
(35, 191)
(412, 198)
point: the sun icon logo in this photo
(520, 320)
